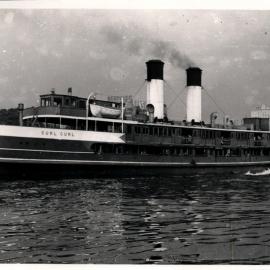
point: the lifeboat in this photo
(104, 111)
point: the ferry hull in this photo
(26, 151)
(40, 171)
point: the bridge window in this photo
(67, 101)
(45, 102)
(57, 101)
(82, 104)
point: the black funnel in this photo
(154, 69)
(194, 76)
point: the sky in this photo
(104, 51)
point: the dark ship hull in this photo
(28, 151)
(60, 171)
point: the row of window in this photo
(61, 101)
(177, 151)
(76, 125)
(204, 134)
(100, 148)
(148, 130)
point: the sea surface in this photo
(196, 219)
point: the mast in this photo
(122, 113)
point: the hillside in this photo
(9, 116)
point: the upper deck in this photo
(54, 110)
(70, 112)
(64, 105)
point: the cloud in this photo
(139, 44)
(224, 63)
(8, 19)
(207, 60)
(249, 100)
(117, 74)
(3, 80)
(43, 50)
(259, 55)
(216, 19)
(97, 55)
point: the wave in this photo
(265, 172)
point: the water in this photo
(199, 219)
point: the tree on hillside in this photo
(9, 116)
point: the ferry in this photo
(71, 135)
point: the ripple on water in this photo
(198, 219)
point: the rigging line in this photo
(139, 89)
(214, 101)
(170, 87)
(177, 95)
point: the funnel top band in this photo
(194, 76)
(154, 69)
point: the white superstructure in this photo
(194, 94)
(155, 87)
(155, 96)
(194, 103)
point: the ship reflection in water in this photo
(198, 219)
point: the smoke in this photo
(167, 50)
(142, 44)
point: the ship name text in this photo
(55, 133)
